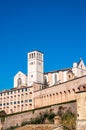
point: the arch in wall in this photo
(70, 75)
(19, 81)
(82, 87)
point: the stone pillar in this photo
(81, 111)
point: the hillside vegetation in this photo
(67, 119)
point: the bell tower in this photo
(35, 67)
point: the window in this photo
(18, 90)
(31, 76)
(39, 55)
(11, 92)
(11, 103)
(29, 56)
(81, 66)
(25, 89)
(14, 102)
(11, 96)
(4, 94)
(55, 78)
(69, 91)
(34, 55)
(22, 101)
(69, 76)
(18, 102)
(15, 91)
(22, 90)
(7, 93)
(31, 63)
(74, 90)
(26, 100)
(30, 100)
(19, 82)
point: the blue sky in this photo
(55, 27)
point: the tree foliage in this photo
(68, 118)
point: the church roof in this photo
(66, 69)
(79, 61)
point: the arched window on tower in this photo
(19, 82)
(34, 55)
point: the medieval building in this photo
(38, 89)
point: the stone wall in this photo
(81, 111)
(1, 125)
(17, 119)
(63, 92)
(40, 127)
(81, 125)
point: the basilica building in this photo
(38, 89)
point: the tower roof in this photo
(36, 51)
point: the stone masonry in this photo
(81, 111)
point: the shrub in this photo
(69, 120)
(37, 120)
(45, 114)
(51, 116)
(42, 117)
(25, 123)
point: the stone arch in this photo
(19, 81)
(73, 90)
(70, 75)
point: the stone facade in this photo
(35, 72)
(35, 67)
(81, 111)
(17, 119)
(17, 99)
(63, 92)
(20, 79)
(38, 89)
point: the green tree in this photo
(69, 120)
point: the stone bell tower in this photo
(35, 67)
